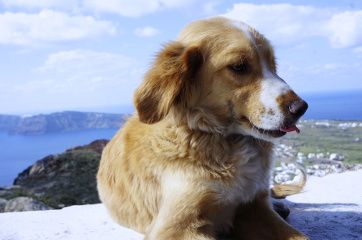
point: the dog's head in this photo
(220, 76)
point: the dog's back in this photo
(125, 185)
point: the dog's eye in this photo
(240, 68)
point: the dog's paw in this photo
(281, 208)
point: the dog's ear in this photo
(168, 80)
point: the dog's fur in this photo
(195, 160)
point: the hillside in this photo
(322, 147)
(59, 122)
(325, 137)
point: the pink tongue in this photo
(290, 129)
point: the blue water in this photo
(334, 106)
(17, 152)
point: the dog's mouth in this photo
(278, 132)
(275, 132)
(271, 133)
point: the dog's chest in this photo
(250, 174)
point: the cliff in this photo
(61, 180)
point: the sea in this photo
(334, 106)
(17, 152)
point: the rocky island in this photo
(59, 122)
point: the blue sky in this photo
(91, 54)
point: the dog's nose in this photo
(298, 108)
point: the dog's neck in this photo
(199, 122)
(209, 148)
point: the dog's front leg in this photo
(180, 220)
(258, 221)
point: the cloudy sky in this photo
(91, 54)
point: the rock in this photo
(278, 169)
(301, 157)
(282, 177)
(2, 204)
(320, 173)
(310, 171)
(323, 124)
(64, 179)
(336, 157)
(311, 155)
(21, 204)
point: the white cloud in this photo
(146, 32)
(290, 70)
(134, 8)
(287, 23)
(345, 29)
(358, 50)
(68, 4)
(86, 62)
(75, 79)
(87, 76)
(49, 26)
(209, 7)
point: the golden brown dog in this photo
(195, 160)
